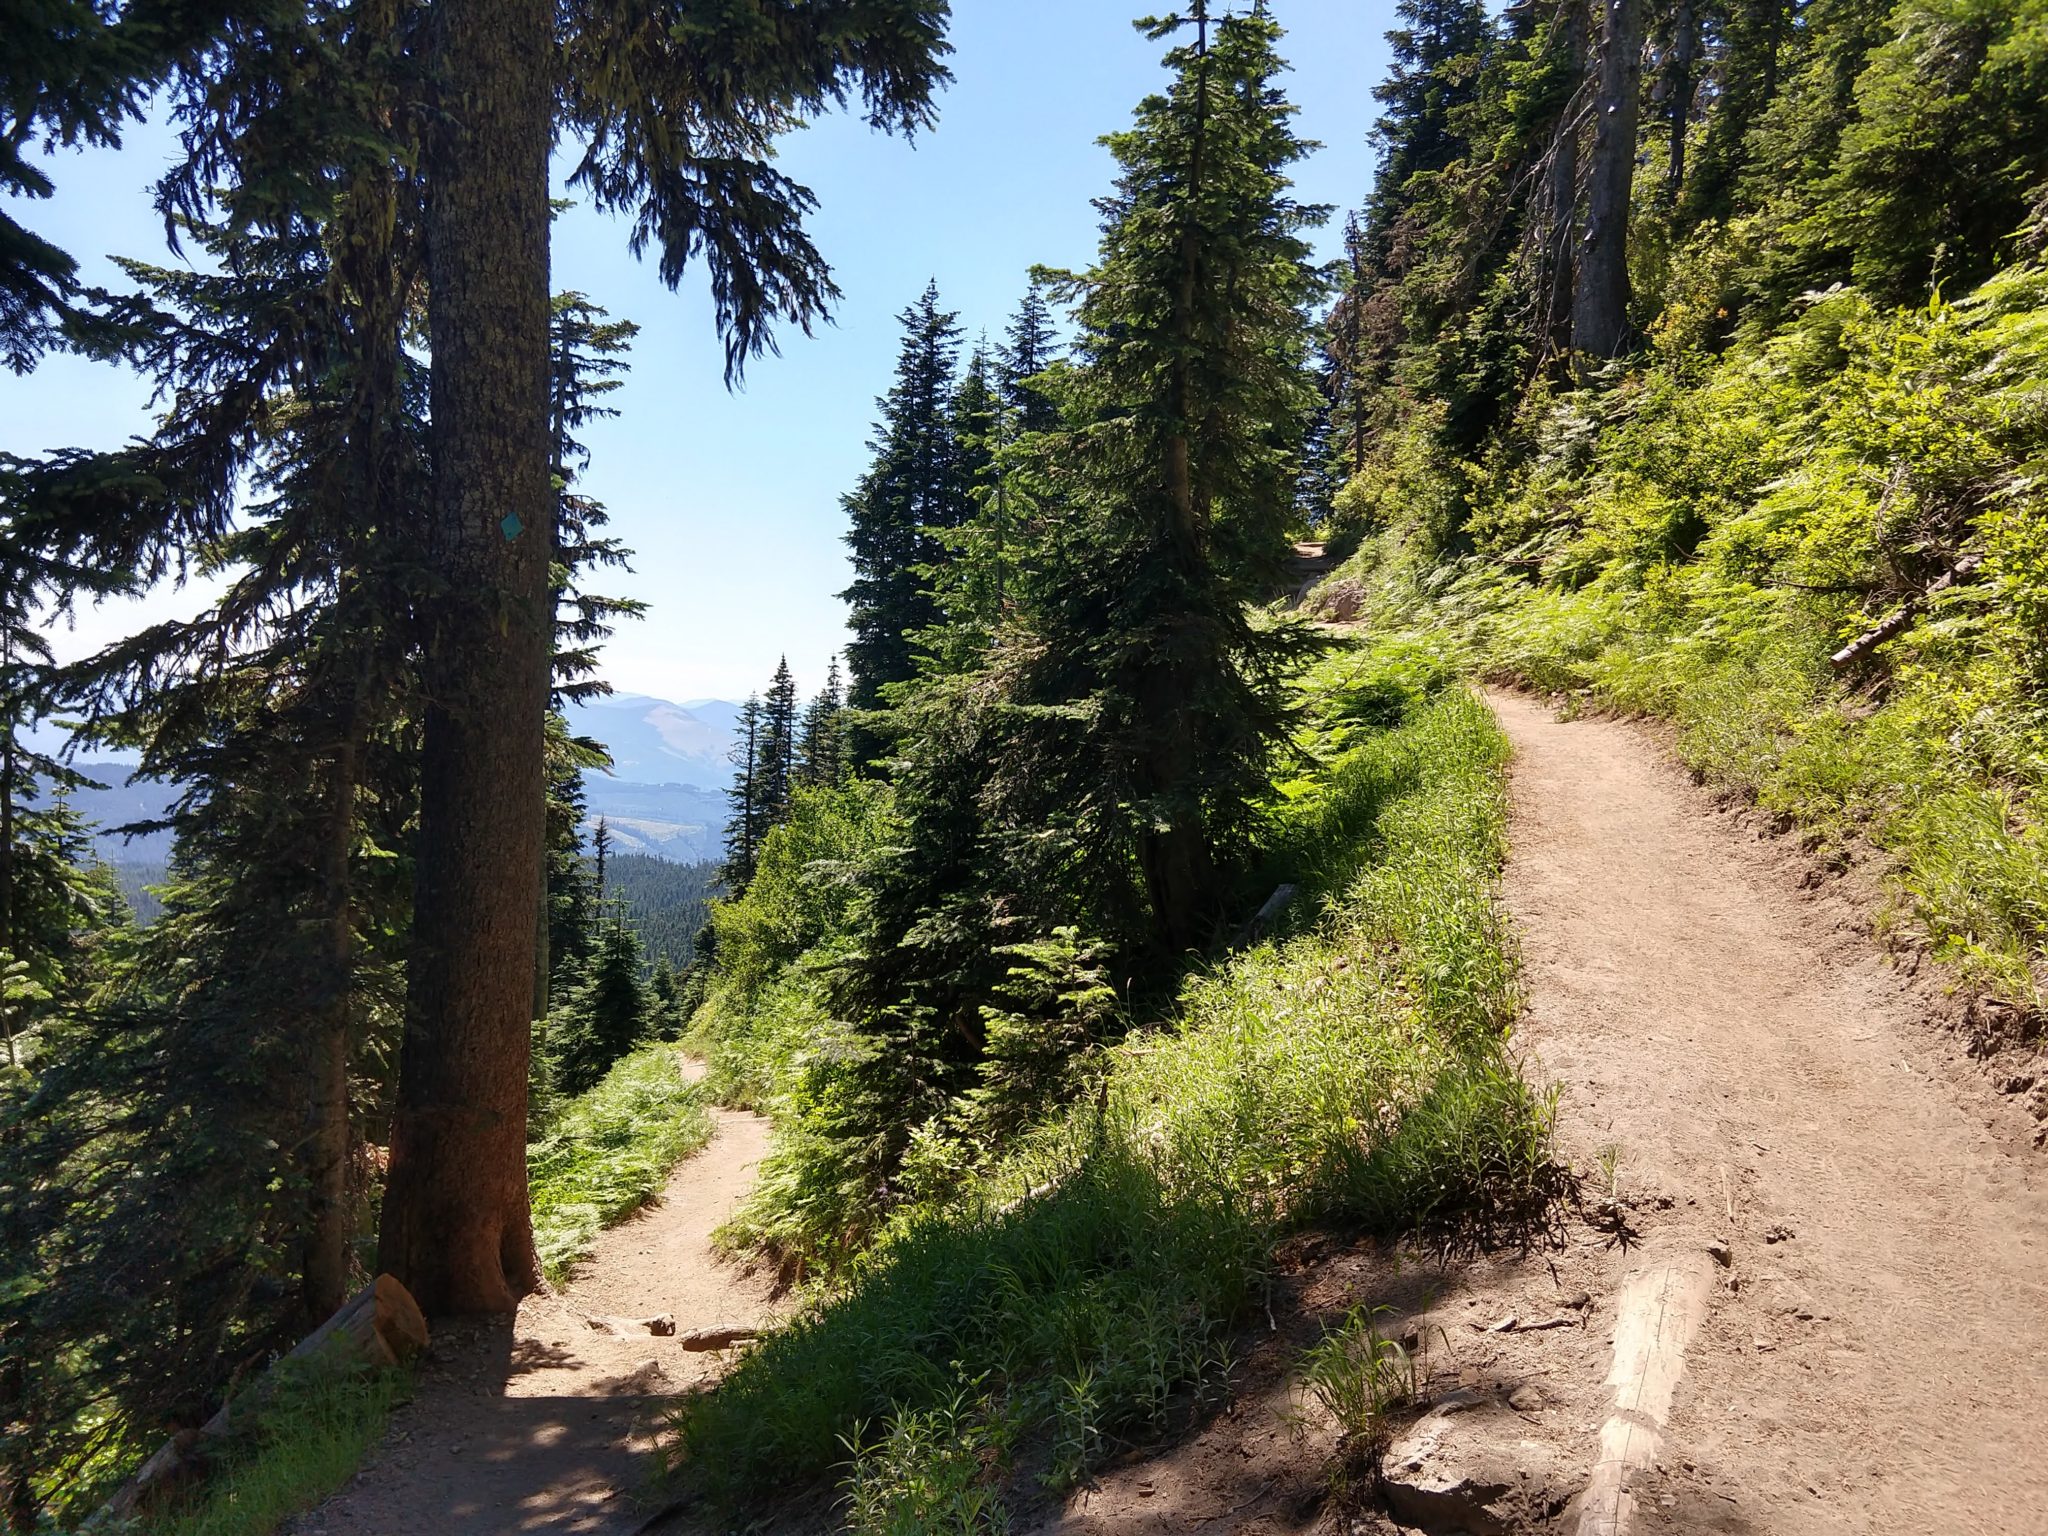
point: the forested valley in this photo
(1120, 926)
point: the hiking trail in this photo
(1875, 1353)
(545, 1422)
(1803, 1291)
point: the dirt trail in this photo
(544, 1424)
(1876, 1355)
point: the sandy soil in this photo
(545, 1423)
(1878, 1356)
(1740, 1068)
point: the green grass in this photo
(310, 1438)
(607, 1154)
(609, 1151)
(1745, 679)
(1354, 1074)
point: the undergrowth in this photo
(1697, 539)
(308, 1439)
(609, 1151)
(1354, 1073)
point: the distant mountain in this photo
(671, 765)
(670, 821)
(655, 742)
(665, 795)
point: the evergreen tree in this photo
(1433, 74)
(1600, 295)
(821, 757)
(914, 488)
(743, 826)
(968, 584)
(1030, 346)
(776, 771)
(608, 1014)
(455, 1222)
(1192, 396)
(74, 74)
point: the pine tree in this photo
(821, 757)
(1432, 75)
(743, 828)
(968, 584)
(1030, 346)
(608, 1014)
(914, 487)
(1192, 397)
(455, 1221)
(1600, 296)
(74, 74)
(776, 773)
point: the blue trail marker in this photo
(511, 526)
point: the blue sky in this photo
(731, 501)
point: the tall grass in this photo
(1353, 1074)
(308, 1440)
(609, 1151)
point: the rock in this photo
(1578, 1301)
(662, 1327)
(1526, 1399)
(1475, 1473)
(1720, 1252)
(1779, 1234)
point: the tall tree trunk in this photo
(456, 1226)
(1561, 186)
(324, 1257)
(1600, 299)
(1682, 82)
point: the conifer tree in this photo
(1600, 321)
(455, 1222)
(914, 488)
(1433, 74)
(608, 1014)
(1191, 395)
(968, 584)
(776, 772)
(75, 74)
(743, 826)
(820, 751)
(1030, 346)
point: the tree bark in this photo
(456, 1227)
(1683, 82)
(1562, 184)
(1600, 300)
(324, 1259)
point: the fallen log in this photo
(378, 1327)
(1895, 623)
(718, 1336)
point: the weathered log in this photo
(1896, 623)
(718, 1336)
(378, 1327)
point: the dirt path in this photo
(543, 1424)
(1876, 1354)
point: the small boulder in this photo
(1474, 1471)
